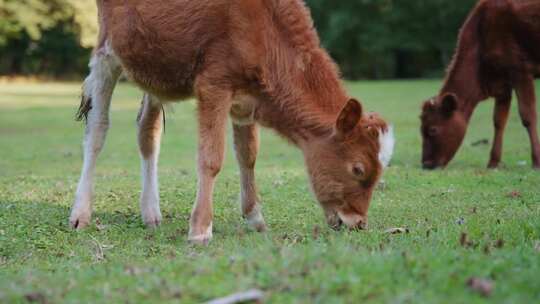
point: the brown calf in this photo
(258, 61)
(498, 51)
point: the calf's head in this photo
(345, 168)
(443, 129)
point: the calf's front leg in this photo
(214, 105)
(246, 146)
(150, 122)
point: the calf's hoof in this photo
(80, 219)
(536, 164)
(255, 220)
(200, 237)
(151, 217)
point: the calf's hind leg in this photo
(527, 111)
(150, 122)
(500, 118)
(246, 146)
(97, 93)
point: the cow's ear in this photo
(428, 105)
(449, 104)
(349, 117)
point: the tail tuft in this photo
(84, 108)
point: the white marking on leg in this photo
(150, 210)
(386, 143)
(98, 86)
(151, 124)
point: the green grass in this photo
(299, 260)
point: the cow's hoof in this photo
(493, 165)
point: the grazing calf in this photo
(257, 61)
(498, 51)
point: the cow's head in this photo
(344, 168)
(443, 129)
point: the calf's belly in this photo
(164, 78)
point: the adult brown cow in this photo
(498, 51)
(258, 61)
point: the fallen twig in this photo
(397, 230)
(99, 255)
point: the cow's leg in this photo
(500, 117)
(150, 123)
(214, 105)
(246, 146)
(97, 92)
(527, 111)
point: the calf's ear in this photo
(349, 117)
(449, 104)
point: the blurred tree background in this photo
(370, 39)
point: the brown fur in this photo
(498, 51)
(261, 62)
(150, 122)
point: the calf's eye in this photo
(358, 169)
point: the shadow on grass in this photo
(37, 233)
(45, 213)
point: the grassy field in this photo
(299, 260)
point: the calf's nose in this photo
(354, 221)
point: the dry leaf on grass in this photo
(316, 232)
(35, 297)
(481, 286)
(514, 194)
(99, 225)
(464, 240)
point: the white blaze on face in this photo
(386, 143)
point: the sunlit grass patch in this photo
(299, 259)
